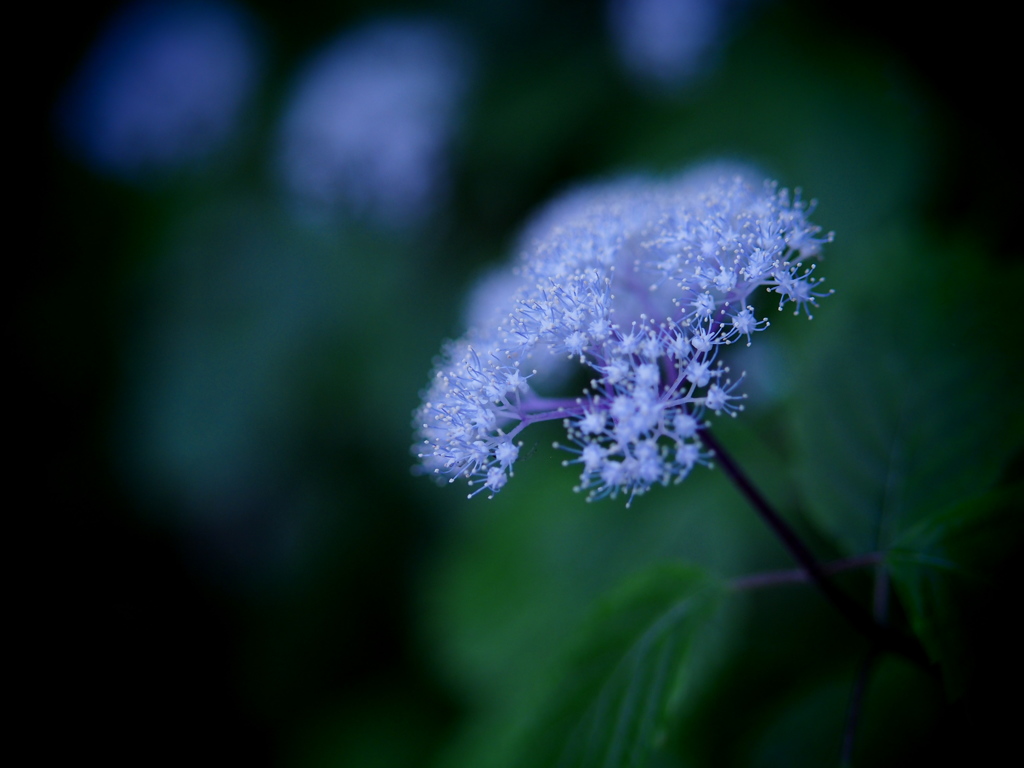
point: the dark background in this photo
(159, 634)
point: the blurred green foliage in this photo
(251, 568)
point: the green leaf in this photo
(805, 726)
(528, 567)
(628, 676)
(947, 569)
(835, 128)
(905, 408)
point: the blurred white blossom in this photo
(667, 43)
(164, 85)
(371, 120)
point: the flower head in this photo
(641, 282)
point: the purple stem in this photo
(852, 611)
(856, 704)
(800, 576)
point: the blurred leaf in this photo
(361, 733)
(625, 680)
(902, 411)
(528, 566)
(844, 122)
(812, 718)
(896, 723)
(943, 565)
(534, 127)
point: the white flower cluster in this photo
(641, 281)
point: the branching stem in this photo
(799, 575)
(880, 636)
(855, 707)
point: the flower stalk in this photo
(880, 636)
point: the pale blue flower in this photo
(164, 86)
(641, 282)
(668, 44)
(371, 118)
